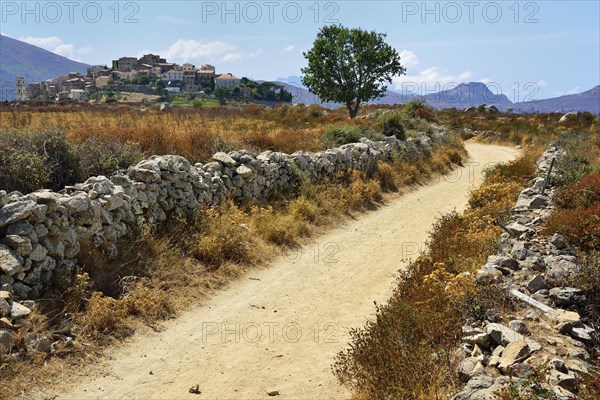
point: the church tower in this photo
(21, 89)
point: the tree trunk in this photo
(353, 108)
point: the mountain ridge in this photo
(31, 62)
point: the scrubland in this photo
(161, 269)
(405, 351)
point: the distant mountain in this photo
(586, 101)
(292, 80)
(33, 63)
(300, 95)
(467, 95)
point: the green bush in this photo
(409, 109)
(23, 171)
(102, 157)
(35, 160)
(32, 160)
(342, 134)
(390, 124)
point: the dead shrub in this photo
(362, 192)
(278, 228)
(223, 236)
(385, 175)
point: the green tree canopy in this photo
(350, 66)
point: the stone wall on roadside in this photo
(41, 232)
(547, 331)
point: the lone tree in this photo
(350, 66)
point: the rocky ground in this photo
(540, 347)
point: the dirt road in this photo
(280, 328)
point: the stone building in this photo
(21, 92)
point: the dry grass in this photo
(185, 260)
(192, 133)
(407, 351)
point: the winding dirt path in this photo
(280, 328)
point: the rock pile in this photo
(532, 268)
(41, 232)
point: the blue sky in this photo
(526, 49)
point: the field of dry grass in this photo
(192, 133)
(187, 259)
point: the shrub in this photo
(580, 194)
(342, 134)
(410, 109)
(385, 175)
(104, 156)
(105, 315)
(362, 192)
(279, 228)
(26, 153)
(223, 236)
(580, 226)
(582, 157)
(303, 209)
(22, 170)
(390, 124)
(425, 113)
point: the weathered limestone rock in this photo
(536, 283)
(19, 311)
(514, 352)
(564, 296)
(16, 211)
(224, 158)
(244, 171)
(7, 341)
(11, 262)
(469, 367)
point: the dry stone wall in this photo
(548, 333)
(41, 232)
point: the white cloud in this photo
(57, 46)
(429, 80)
(232, 57)
(408, 59)
(426, 79)
(288, 49)
(187, 50)
(194, 50)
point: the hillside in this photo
(33, 63)
(586, 101)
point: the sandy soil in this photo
(280, 328)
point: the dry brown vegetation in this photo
(192, 133)
(163, 269)
(404, 353)
(407, 351)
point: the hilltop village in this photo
(151, 75)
